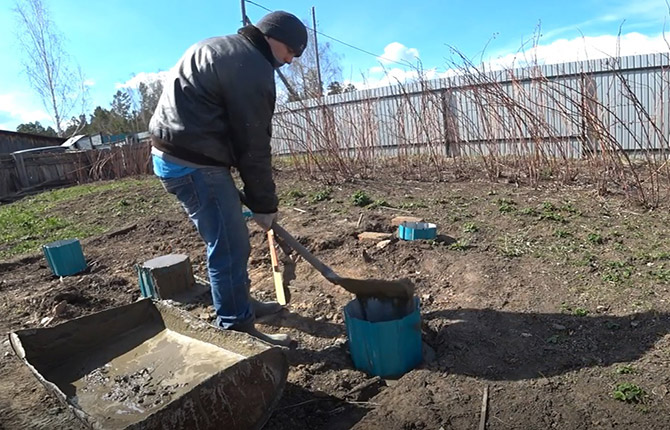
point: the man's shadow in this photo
(511, 346)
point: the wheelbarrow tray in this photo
(149, 365)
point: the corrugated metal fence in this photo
(562, 110)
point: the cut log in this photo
(401, 219)
(166, 276)
(373, 235)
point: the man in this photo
(215, 113)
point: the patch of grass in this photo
(580, 312)
(514, 246)
(617, 272)
(595, 238)
(552, 216)
(551, 212)
(506, 205)
(561, 234)
(470, 227)
(650, 257)
(624, 370)
(567, 207)
(412, 205)
(459, 246)
(378, 203)
(612, 276)
(28, 229)
(295, 194)
(291, 197)
(27, 224)
(587, 259)
(661, 255)
(629, 393)
(661, 275)
(71, 193)
(321, 195)
(529, 212)
(360, 199)
(618, 246)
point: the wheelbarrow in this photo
(149, 365)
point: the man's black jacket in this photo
(216, 109)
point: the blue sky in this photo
(114, 40)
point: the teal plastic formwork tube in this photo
(385, 347)
(410, 230)
(65, 257)
(146, 283)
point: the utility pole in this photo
(246, 21)
(316, 51)
(243, 7)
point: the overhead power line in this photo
(405, 64)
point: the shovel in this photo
(363, 288)
(402, 289)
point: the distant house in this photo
(100, 141)
(12, 141)
(81, 141)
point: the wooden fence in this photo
(34, 171)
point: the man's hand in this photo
(265, 220)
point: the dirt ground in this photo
(549, 299)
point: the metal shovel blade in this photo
(380, 288)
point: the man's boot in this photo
(263, 309)
(274, 339)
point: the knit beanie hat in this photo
(285, 28)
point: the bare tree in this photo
(46, 63)
(302, 73)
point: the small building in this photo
(12, 141)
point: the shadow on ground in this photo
(302, 409)
(512, 346)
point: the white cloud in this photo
(89, 82)
(559, 51)
(16, 108)
(396, 51)
(145, 77)
(580, 49)
(381, 77)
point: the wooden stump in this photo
(166, 276)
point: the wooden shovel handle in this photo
(273, 251)
(280, 291)
(326, 271)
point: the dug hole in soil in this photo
(528, 307)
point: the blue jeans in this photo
(209, 197)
